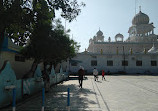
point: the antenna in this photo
(140, 8)
(136, 1)
(135, 7)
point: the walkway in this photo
(117, 93)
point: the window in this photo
(110, 63)
(93, 63)
(19, 58)
(139, 63)
(153, 63)
(124, 63)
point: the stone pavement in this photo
(117, 93)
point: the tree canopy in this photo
(17, 17)
(48, 42)
(15, 21)
(29, 23)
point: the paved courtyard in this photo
(117, 93)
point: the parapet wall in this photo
(24, 87)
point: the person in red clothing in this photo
(81, 74)
(103, 74)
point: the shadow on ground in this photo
(76, 78)
(57, 98)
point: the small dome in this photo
(119, 35)
(94, 38)
(140, 18)
(99, 33)
(90, 40)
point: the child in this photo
(103, 73)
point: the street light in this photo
(123, 58)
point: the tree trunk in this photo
(32, 70)
(34, 66)
(50, 67)
(46, 76)
(44, 72)
(1, 39)
(55, 64)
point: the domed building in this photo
(141, 30)
(137, 54)
(99, 36)
(119, 38)
(141, 36)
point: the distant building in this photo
(137, 54)
(20, 64)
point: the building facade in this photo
(137, 54)
(20, 64)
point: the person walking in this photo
(95, 73)
(81, 74)
(103, 74)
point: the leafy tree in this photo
(52, 49)
(34, 23)
(42, 25)
(15, 20)
(16, 17)
(70, 8)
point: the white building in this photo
(137, 54)
(20, 64)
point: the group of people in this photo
(95, 73)
(81, 74)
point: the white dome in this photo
(119, 35)
(99, 33)
(140, 18)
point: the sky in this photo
(111, 16)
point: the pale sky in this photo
(111, 16)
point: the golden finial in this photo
(145, 51)
(131, 51)
(117, 50)
(101, 51)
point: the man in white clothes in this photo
(95, 73)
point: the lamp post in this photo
(69, 68)
(123, 58)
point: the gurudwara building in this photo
(137, 54)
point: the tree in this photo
(70, 8)
(34, 23)
(15, 20)
(16, 17)
(52, 49)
